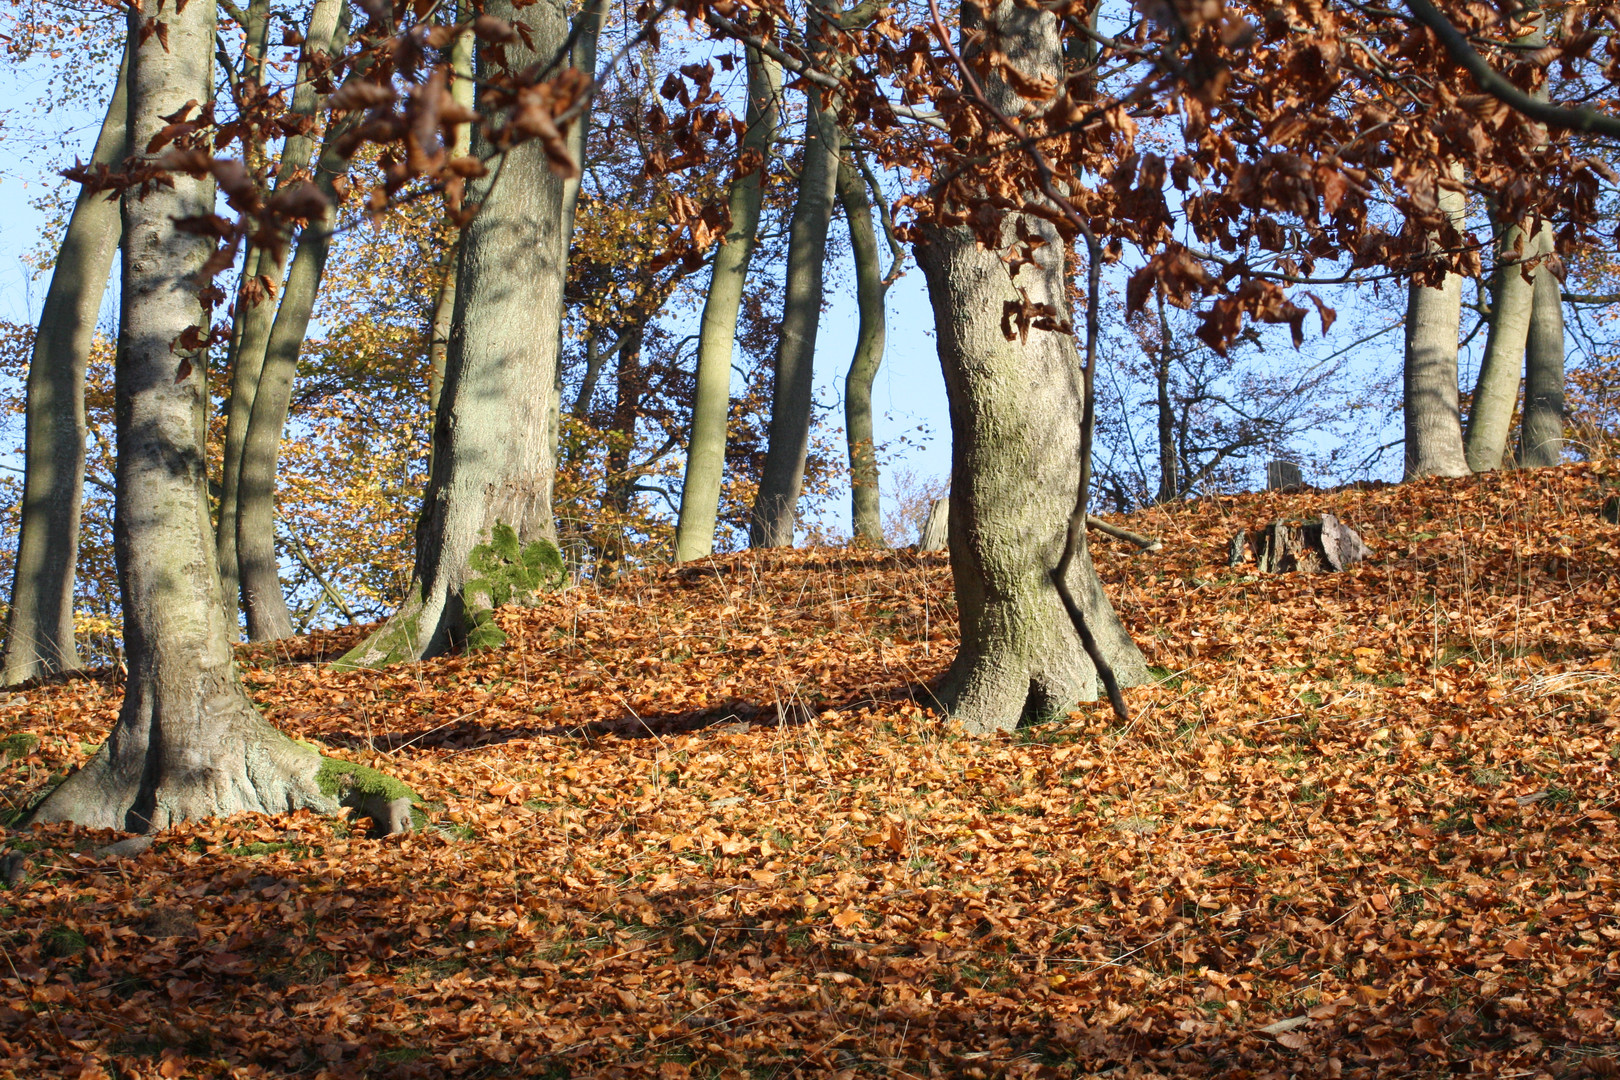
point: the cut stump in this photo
(1283, 547)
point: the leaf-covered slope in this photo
(697, 825)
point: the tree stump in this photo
(1309, 547)
(935, 534)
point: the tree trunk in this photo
(39, 633)
(188, 743)
(247, 363)
(866, 515)
(1496, 391)
(268, 617)
(494, 437)
(1169, 474)
(1434, 442)
(444, 305)
(776, 505)
(1541, 434)
(717, 336)
(1015, 410)
(618, 488)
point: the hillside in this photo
(699, 825)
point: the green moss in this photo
(506, 572)
(340, 780)
(18, 745)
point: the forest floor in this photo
(697, 825)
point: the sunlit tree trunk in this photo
(250, 326)
(1496, 391)
(871, 294)
(1434, 442)
(1541, 434)
(1015, 408)
(776, 505)
(268, 617)
(495, 433)
(188, 743)
(711, 400)
(39, 631)
(246, 364)
(444, 304)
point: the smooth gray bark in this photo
(494, 439)
(444, 305)
(268, 617)
(717, 336)
(188, 743)
(246, 364)
(39, 630)
(1015, 427)
(1434, 442)
(1496, 391)
(776, 505)
(1541, 434)
(871, 294)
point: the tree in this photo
(188, 742)
(871, 292)
(711, 397)
(495, 435)
(776, 506)
(39, 630)
(1541, 433)
(1016, 409)
(1434, 444)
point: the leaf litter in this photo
(704, 824)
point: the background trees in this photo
(1231, 173)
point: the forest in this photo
(472, 615)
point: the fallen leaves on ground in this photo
(699, 825)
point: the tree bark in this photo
(618, 486)
(268, 617)
(866, 515)
(444, 305)
(247, 362)
(1169, 474)
(717, 336)
(1015, 408)
(188, 742)
(494, 439)
(775, 509)
(1496, 391)
(1434, 442)
(39, 631)
(1541, 434)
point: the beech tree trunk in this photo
(39, 630)
(776, 505)
(1169, 474)
(1434, 442)
(188, 743)
(717, 336)
(1541, 434)
(494, 439)
(444, 305)
(1496, 391)
(268, 617)
(871, 294)
(1015, 439)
